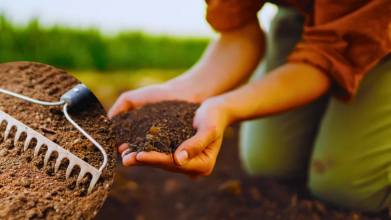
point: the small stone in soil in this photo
(31, 214)
(232, 187)
(21, 198)
(48, 196)
(25, 182)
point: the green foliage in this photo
(87, 49)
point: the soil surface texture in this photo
(160, 127)
(30, 190)
(144, 193)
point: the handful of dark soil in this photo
(160, 127)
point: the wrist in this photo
(186, 88)
(223, 108)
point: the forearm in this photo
(225, 63)
(289, 86)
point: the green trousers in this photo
(345, 148)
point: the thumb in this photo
(195, 145)
(123, 103)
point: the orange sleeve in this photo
(224, 15)
(345, 39)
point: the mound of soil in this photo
(160, 127)
(30, 190)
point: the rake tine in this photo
(58, 162)
(94, 180)
(7, 130)
(47, 156)
(17, 136)
(27, 142)
(37, 147)
(69, 169)
(2, 119)
(82, 173)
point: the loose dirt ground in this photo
(29, 190)
(143, 193)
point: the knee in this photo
(267, 161)
(343, 188)
(261, 164)
(262, 153)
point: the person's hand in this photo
(196, 156)
(138, 97)
(181, 88)
(150, 94)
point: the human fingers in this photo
(155, 158)
(123, 103)
(123, 147)
(130, 159)
(206, 134)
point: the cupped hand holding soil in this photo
(193, 156)
(150, 94)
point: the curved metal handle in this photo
(30, 99)
(65, 106)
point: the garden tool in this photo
(68, 100)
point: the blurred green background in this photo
(90, 50)
(108, 65)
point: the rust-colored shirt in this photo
(343, 38)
